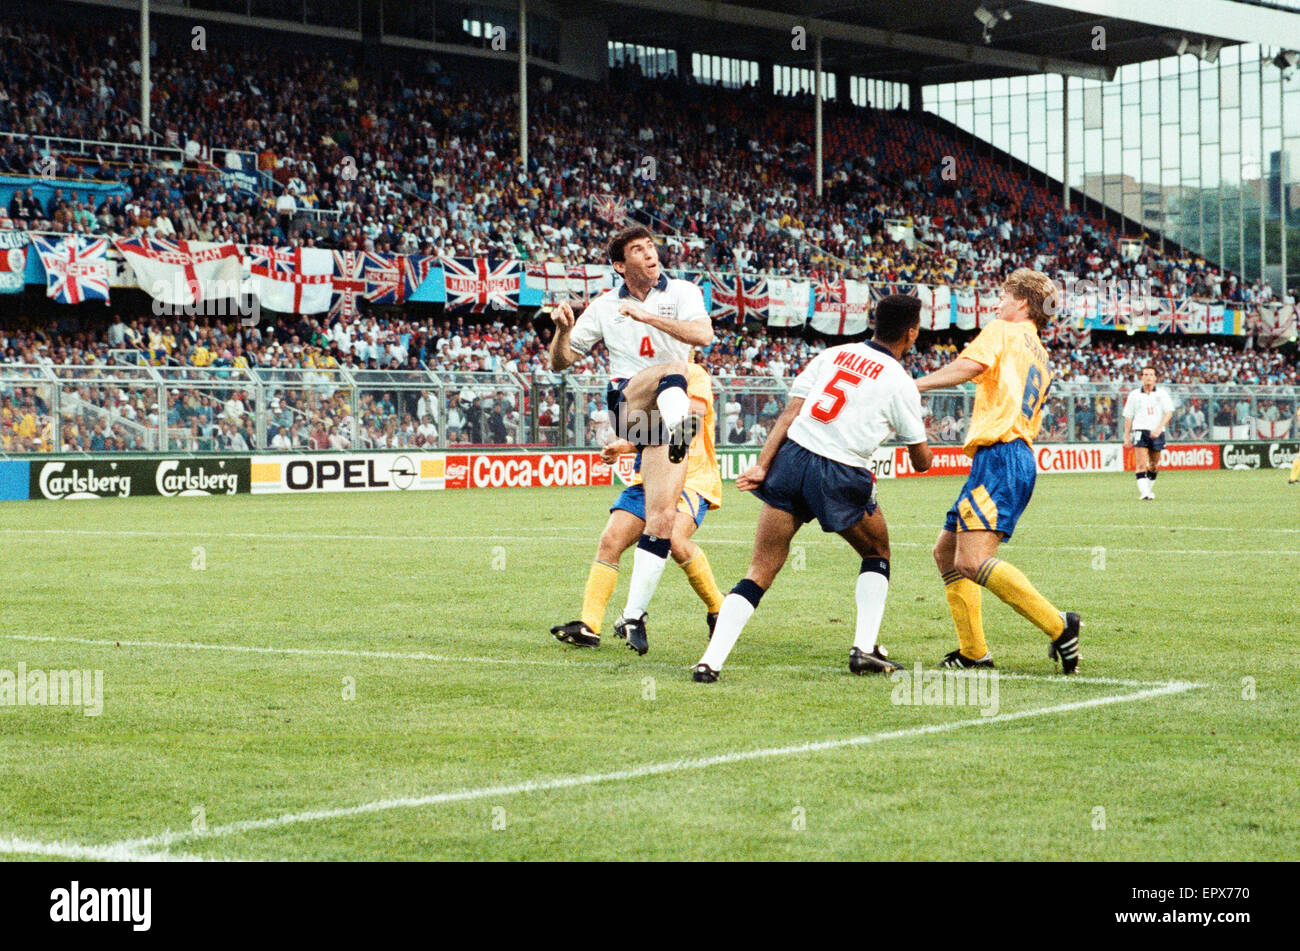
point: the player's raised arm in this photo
(959, 371)
(752, 477)
(561, 354)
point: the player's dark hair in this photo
(623, 237)
(895, 316)
(1152, 369)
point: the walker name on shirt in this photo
(859, 364)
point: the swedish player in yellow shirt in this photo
(1008, 363)
(702, 492)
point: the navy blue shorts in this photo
(810, 486)
(1001, 483)
(1143, 439)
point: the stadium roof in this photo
(939, 41)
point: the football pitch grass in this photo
(371, 676)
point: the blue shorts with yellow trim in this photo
(632, 500)
(1000, 485)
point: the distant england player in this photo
(1147, 413)
(649, 325)
(1009, 366)
(702, 492)
(816, 464)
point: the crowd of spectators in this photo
(402, 160)
(491, 372)
(418, 161)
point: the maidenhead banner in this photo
(125, 478)
(1259, 455)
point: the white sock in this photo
(673, 405)
(872, 589)
(735, 612)
(647, 569)
(1144, 486)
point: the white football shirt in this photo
(632, 345)
(854, 396)
(1147, 409)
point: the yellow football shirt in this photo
(1010, 393)
(702, 473)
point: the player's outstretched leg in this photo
(870, 539)
(976, 559)
(1295, 470)
(771, 547)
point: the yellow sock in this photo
(700, 575)
(601, 581)
(1295, 467)
(964, 603)
(1010, 584)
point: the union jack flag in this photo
(379, 278)
(76, 268)
(415, 268)
(1162, 319)
(739, 297)
(611, 209)
(479, 284)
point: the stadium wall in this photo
(185, 476)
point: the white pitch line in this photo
(166, 839)
(522, 661)
(430, 539)
(95, 853)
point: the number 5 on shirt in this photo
(824, 411)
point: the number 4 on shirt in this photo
(647, 348)
(824, 410)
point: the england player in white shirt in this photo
(649, 325)
(1147, 412)
(816, 464)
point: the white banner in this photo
(967, 307)
(181, 273)
(787, 302)
(291, 280)
(936, 307)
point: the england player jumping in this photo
(1147, 412)
(649, 325)
(1008, 363)
(816, 464)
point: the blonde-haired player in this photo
(1008, 363)
(702, 492)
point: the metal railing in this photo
(119, 408)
